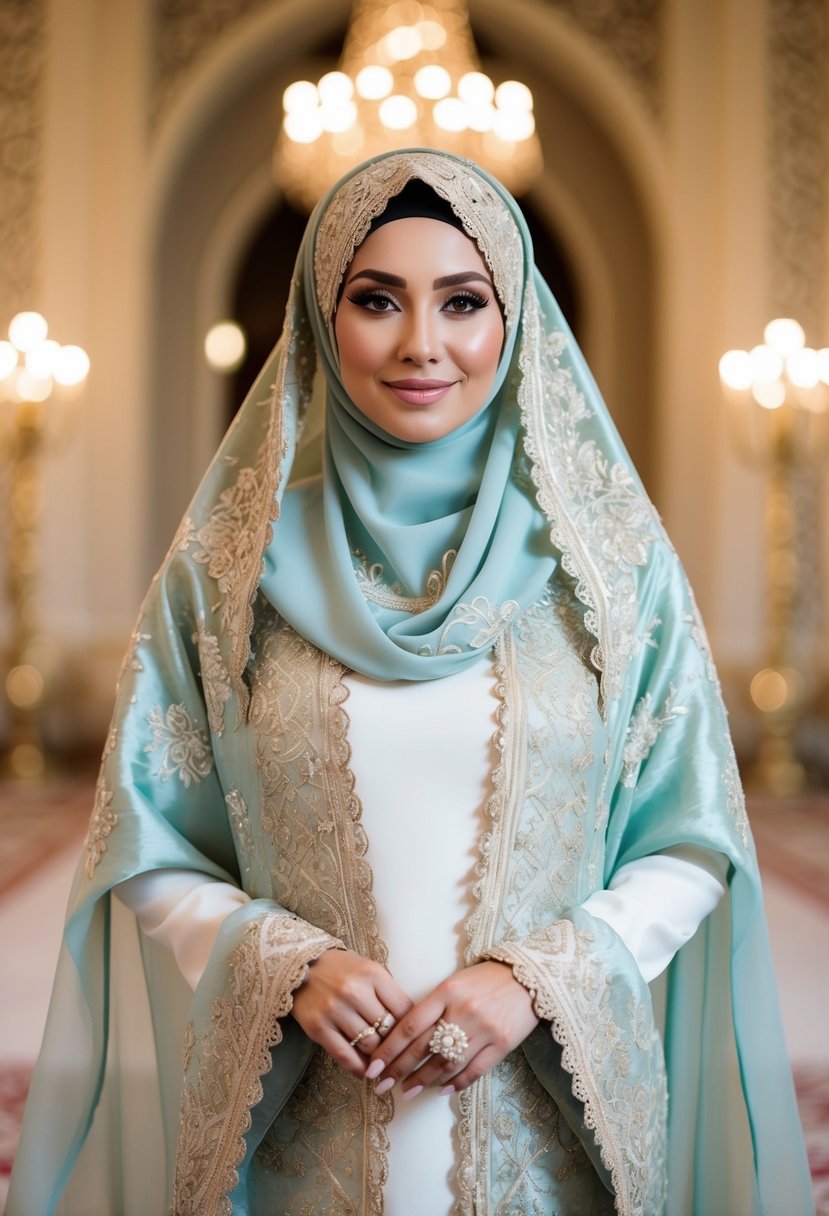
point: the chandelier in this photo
(409, 76)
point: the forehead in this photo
(418, 243)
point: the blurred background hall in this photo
(672, 157)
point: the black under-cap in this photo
(416, 201)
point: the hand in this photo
(490, 1006)
(341, 995)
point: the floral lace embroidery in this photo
(370, 579)
(215, 678)
(480, 209)
(492, 618)
(600, 520)
(263, 971)
(103, 819)
(185, 748)
(645, 728)
(626, 1109)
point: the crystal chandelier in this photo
(409, 76)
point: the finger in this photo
(475, 1068)
(410, 1028)
(417, 1057)
(391, 996)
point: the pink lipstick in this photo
(420, 392)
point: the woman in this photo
(419, 775)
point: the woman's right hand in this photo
(341, 996)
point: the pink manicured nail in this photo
(374, 1069)
(385, 1085)
(413, 1092)
(447, 1090)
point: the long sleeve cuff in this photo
(656, 904)
(182, 911)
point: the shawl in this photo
(228, 755)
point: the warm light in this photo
(450, 114)
(432, 81)
(335, 88)
(303, 128)
(338, 117)
(41, 359)
(476, 89)
(803, 367)
(432, 35)
(823, 364)
(514, 125)
(398, 112)
(403, 43)
(375, 82)
(225, 346)
(784, 336)
(766, 364)
(771, 394)
(735, 370)
(299, 97)
(8, 359)
(24, 686)
(514, 96)
(27, 329)
(29, 388)
(769, 690)
(71, 366)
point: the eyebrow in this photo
(447, 280)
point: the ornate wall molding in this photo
(631, 32)
(23, 51)
(798, 158)
(185, 30)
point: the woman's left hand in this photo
(494, 1011)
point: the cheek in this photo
(356, 346)
(482, 349)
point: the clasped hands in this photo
(344, 993)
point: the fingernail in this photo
(413, 1092)
(374, 1069)
(447, 1090)
(385, 1085)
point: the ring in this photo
(449, 1041)
(382, 1026)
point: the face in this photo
(419, 329)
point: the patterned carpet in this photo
(792, 842)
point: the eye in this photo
(374, 300)
(461, 303)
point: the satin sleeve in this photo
(182, 911)
(657, 903)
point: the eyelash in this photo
(365, 299)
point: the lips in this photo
(420, 392)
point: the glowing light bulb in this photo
(476, 89)
(299, 97)
(225, 346)
(303, 128)
(803, 367)
(41, 359)
(8, 359)
(27, 329)
(481, 117)
(766, 364)
(784, 336)
(823, 363)
(514, 125)
(31, 388)
(736, 371)
(450, 114)
(432, 81)
(432, 35)
(514, 96)
(403, 43)
(398, 112)
(335, 88)
(771, 394)
(374, 82)
(339, 117)
(71, 365)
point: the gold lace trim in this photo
(264, 970)
(184, 747)
(483, 213)
(370, 580)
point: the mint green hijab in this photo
(407, 560)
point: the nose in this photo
(420, 340)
